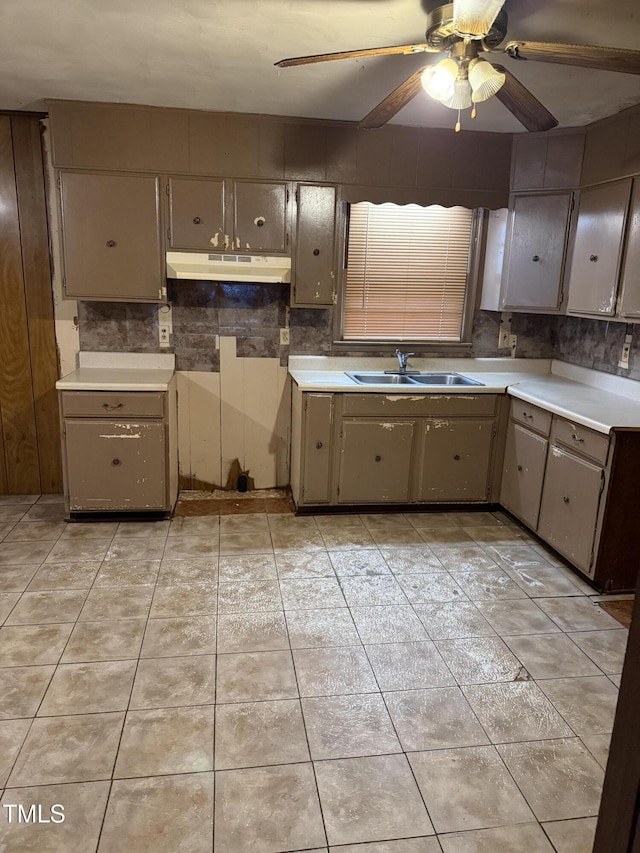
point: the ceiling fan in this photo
(464, 29)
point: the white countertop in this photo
(120, 372)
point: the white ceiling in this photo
(219, 55)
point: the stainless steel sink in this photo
(432, 379)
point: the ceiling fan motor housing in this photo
(440, 34)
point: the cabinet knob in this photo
(115, 462)
(593, 258)
(519, 467)
(577, 438)
(535, 258)
(378, 458)
(456, 456)
(316, 252)
(196, 220)
(565, 499)
(260, 221)
(111, 244)
(109, 408)
(527, 416)
(318, 445)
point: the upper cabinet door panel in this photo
(536, 245)
(196, 214)
(630, 297)
(111, 236)
(314, 256)
(595, 265)
(260, 216)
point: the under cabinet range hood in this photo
(198, 266)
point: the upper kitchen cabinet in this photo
(629, 306)
(535, 252)
(597, 250)
(112, 237)
(314, 257)
(197, 214)
(260, 217)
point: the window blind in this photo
(407, 271)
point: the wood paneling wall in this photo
(29, 430)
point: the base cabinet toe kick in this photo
(572, 486)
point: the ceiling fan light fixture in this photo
(485, 80)
(439, 80)
(461, 98)
(474, 18)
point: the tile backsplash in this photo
(255, 313)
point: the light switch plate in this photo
(284, 336)
(626, 350)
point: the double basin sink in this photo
(431, 379)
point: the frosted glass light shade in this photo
(439, 81)
(461, 98)
(485, 80)
(473, 18)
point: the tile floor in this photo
(364, 684)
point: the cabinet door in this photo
(196, 214)
(316, 448)
(375, 461)
(115, 465)
(536, 245)
(454, 459)
(525, 458)
(111, 236)
(260, 216)
(595, 265)
(630, 295)
(570, 502)
(313, 282)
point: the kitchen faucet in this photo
(403, 357)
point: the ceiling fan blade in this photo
(474, 18)
(394, 102)
(524, 106)
(357, 54)
(586, 56)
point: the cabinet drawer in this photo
(419, 405)
(99, 404)
(581, 439)
(531, 416)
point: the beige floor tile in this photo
(126, 602)
(431, 519)
(252, 632)
(386, 519)
(131, 548)
(551, 656)
(559, 778)
(475, 519)
(142, 529)
(46, 512)
(40, 608)
(577, 614)
(267, 809)
(572, 836)
(23, 553)
(12, 735)
(16, 578)
(128, 573)
(84, 805)
(98, 641)
(349, 726)
(248, 596)
(452, 620)
(335, 671)
(89, 529)
(304, 564)
(515, 711)
(526, 838)
(519, 616)
(8, 601)
(36, 531)
(367, 561)
(89, 688)
(175, 811)
(605, 648)
(434, 719)
(68, 749)
(365, 591)
(347, 539)
(78, 551)
(415, 560)
(385, 536)
(26, 500)
(246, 543)
(184, 547)
(254, 734)
(162, 741)
(587, 704)
(285, 522)
(33, 645)
(426, 589)
(293, 540)
(520, 557)
(314, 629)
(64, 576)
(489, 586)
(405, 845)
(206, 525)
(468, 788)
(370, 799)
(12, 513)
(338, 521)
(408, 666)
(479, 660)
(542, 582)
(311, 593)
(184, 600)
(173, 571)
(248, 567)
(500, 534)
(256, 676)
(255, 522)
(388, 624)
(466, 558)
(439, 537)
(179, 635)
(598, 746)
(174, 682)
(615, 679)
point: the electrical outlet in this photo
(503, 337)
(626, 350)
(164, 330)
(513, 342)
(284, 336)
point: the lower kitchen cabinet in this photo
(375, 461)
(119, 451)
(525, 458)
(455, 459)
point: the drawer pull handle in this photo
(527, 416)
(260, 221)
(378, 458)
(196, 220)
(535, 259)
(115, 462)
(316, 252)
(318, 445)
(111, 244)
(457, 457)
(577, 438)
(519, 467)
(565, 499)
(593, 258)
(109, 408)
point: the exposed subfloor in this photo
(261, 682)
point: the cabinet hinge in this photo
(573, 202)
(64, 283)
(602, 482)
(166, 189)
(338, 490)
(169, 235)
(163, 292)
(287, 191)
(59, 181)
(494, 431)
(306, 403)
